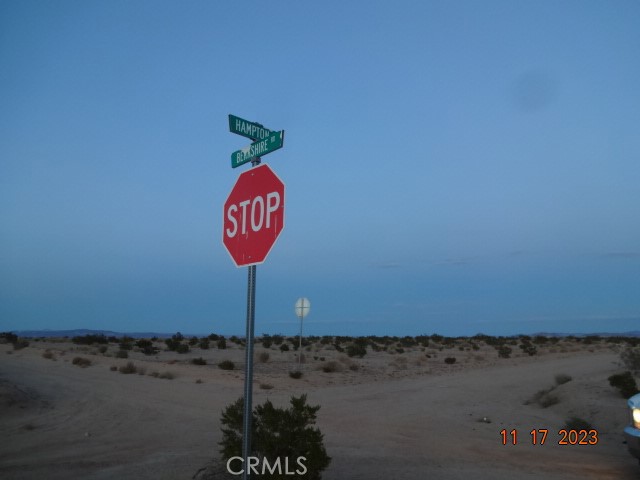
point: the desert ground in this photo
(399, 412)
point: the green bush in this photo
(198, 361)
(450, 360)
(284, 347)
(221, 343)
(128, 368)
(277, 433)
(295, 374)
(81, 362)
(625, 383)
(504, 351)
(226, 365)
(356, 350)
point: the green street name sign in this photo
(248, 129)
(269, 144)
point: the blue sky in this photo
(451, 167)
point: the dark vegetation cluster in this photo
(277, 433)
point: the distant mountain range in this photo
(109, 333)
(82, 331)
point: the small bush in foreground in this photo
(295, 374)
(81, 362)
(198, 361)
(450, 360)
(263, 357)
(577, 423)
(625, 383)
(227, 365)
(277, 433)
(48, 355)
(128, 368)
(166, 376)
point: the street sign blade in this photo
(257, 149)
(248, 129)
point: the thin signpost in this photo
(265, 141)
(302, 308)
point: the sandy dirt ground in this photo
(401, 415)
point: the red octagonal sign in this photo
(253, 215)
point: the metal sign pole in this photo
(248, 364)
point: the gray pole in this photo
(248, 371)
(248, 364)
(300, 347)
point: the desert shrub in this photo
(277, 433)
(529, 349)
(122, 354)
(338, 347)
(263, 357)
(141, 370)
(89, 339)
(204, 343)
(234, 339)
(266, 341)
(213, 337)
(577, 423)
(450, 360)
(399, 350)
(20, 343)
(128, 368)
(295, 374)
(199, 381)
(166, 375)
(8, 337)
(226, 365)
(198, 361)
(563, 378)
(146, 347)
(222, 343)
(266, 386)
(631, 358)
(284, 347)
(102, 349)
(113, 368)
(354, 367)
(504, 351)
(48, 355)
(356, 350)
(182, 348)
(625, 383)
(331, 367)
(193, 341)
(81, 362)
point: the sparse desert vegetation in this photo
(426, 366)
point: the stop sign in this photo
(253, 215)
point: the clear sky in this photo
(451, 167)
